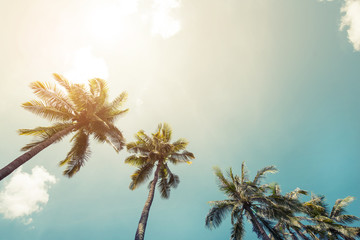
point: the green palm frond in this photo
(99, 90)
(163, 184)
(224, 184)
(49, 112)
(238, 230)
(346, 218)
(180, 144)
(244, 173)
(42, 134)
(185, 156)
(115, 114)
(78, 154)
(296, 193)
(166, 132)
(339, 206)
(115, 138)
(217, 213)
(133, 147)
(52, 95)
(141, 175)
(136, 160)
(142, 138)
(118, 101)
(82, 99)
(261, 173)
(270, 227)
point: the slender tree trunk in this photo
(261, 232)
(140, 232)
(8, 169)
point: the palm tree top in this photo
(85, 110)
(157, 149)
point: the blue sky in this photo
(270, 82)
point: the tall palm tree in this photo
(245, 198)
(79, 110)
(155, 151)
(330, 225)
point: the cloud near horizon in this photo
(351, 21)
(25, 194)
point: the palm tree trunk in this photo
(8, 169)
(140, 232)
(260, 230)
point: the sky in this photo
(268, 82)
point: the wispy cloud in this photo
(25, 194)
(163, 23)
(351, 21)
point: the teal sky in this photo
(269, 82)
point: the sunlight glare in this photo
(85, 66)
(163, 23)
(107, 21)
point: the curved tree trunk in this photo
(260, 230)
(8, 169)
(140, 232)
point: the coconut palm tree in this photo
(245, 198)
(330, 225)
(289, 224)
(157, 152)
(78, 110)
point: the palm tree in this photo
(247, 198)
(81, 111)
(289, 224)
(155, 151)
(330, 225)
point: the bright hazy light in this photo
(107, 21)
(85, 66)
(163, 23)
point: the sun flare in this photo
(85, 66)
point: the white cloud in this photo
(351, 21)
(25, 194)
(163, 23)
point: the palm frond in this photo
(224, 184)
(78, 154)
(166, 132)
(46, 111)
(339, 206)
(52, 96)
(42, 134)
(238, 230)
(346, 218)
(185, 156)
(136, 160)
(81, 99)
(118, 101)
(217, 213)
(163, 184)
(115, 138)
(99, 90)
(244, 173)
(296, 193)
(179, 144)
(62, 81)
(260, 174)
(141, 175)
